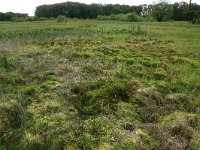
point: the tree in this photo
(8, 16)
(181, 11)
(80, 10)
(195, 13)
(162, 11)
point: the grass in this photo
(90, 84)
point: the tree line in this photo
(162, 11)
(84, 11)
(8, 16)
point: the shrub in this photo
(61, 18)
(132, 17)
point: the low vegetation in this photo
(99, 85)
(130, 17)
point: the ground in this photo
(86, 84)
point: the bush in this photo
(132, 17)
(61, 18)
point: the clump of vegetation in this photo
(61, 18)
(102, 96)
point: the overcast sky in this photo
(28, 6)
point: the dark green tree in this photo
(181, 11)
(162, 11)
(8, 16)
(80, 10)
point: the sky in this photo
(28, 6)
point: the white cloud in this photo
(28, 6)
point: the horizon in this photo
(18, 7)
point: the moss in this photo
(28, 90)
(48, 81)
(48, 84)
(105, 146)
(109, 133)
(10, 79)
(100, 126)
(11, 116)
(195, 142)
(149, 104)
(84, 142)
(182, 102)
(182, 119)
(11, 120)
(4, 122)
(126, 112)
(29, 139)
(104, 95)
(184, 125)
(148, 142)
(31, 142)
(51, 77)
(122, 139)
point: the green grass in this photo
(90, 84)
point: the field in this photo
(102, 85)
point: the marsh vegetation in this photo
(89, 84)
